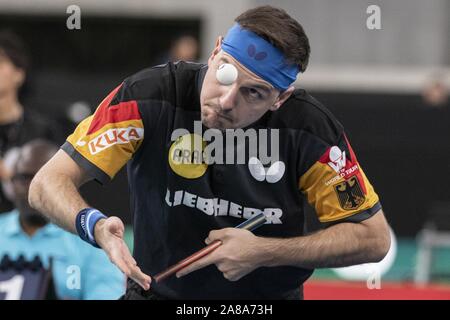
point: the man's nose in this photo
(228, 100)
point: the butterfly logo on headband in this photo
(251, 51)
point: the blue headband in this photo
(260, 57)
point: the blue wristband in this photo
(85, 224)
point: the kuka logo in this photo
(112, 137)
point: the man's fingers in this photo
(120, 263)
(137, 275)
(119, 254)
(125, 253)
(215, 235)
(121, 257)
(141, 278)
(203, 262)
(220, 234)
(135, 272)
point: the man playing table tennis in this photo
(180, 204)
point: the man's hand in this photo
(238, 255)
(108, 234)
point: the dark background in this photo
(403, 147)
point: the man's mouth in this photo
(220, 114)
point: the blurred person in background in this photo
(183, 48)
(435, 93)
(17, 123)
(24, 231)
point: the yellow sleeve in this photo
(105, 141)
(336, 186)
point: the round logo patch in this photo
(186, 157)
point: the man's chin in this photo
(211, 123)
(217, 123)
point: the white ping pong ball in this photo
(226, 74)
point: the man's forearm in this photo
(56, 197)
(341, 245)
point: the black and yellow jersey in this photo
(177, 203)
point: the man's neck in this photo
(10, 109)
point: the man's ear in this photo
(216, 50)
(19, 77)
(282, 98)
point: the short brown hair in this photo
(281, 30)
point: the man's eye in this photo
(254, 93)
